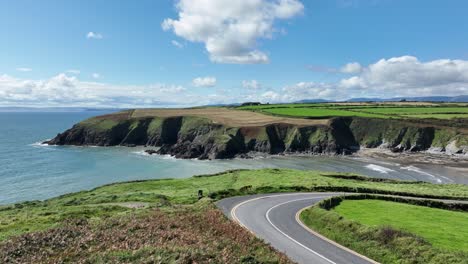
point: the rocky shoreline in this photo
(189, 137)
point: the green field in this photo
(319, 112)
(393, 232)
(442, 228)
(396, 111)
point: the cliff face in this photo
(195, 137)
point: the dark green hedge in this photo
(335, 201)
(246, 190)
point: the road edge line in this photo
(298, 220)
(233, 210)
(267, 215)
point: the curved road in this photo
(273, 217)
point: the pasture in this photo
(371, 110)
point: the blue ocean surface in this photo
(32, 171)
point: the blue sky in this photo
(122, 53)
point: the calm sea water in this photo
(30, 171)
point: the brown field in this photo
(236, 118)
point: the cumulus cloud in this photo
(308, 90)
(94, 35)
(353, 68)
(404, 76)
(295, 92)
(177, 44)
(65, 90)
(252, 85)
(407, 76)
(24, 69)
(349, 68)
(230, 29)
(204, 82)
(96, 75)
(270, 97)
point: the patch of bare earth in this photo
(183, 236)
(230, 117)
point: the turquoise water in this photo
(31, 171)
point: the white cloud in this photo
(177, 44)
(204, 82)
(230, 29)
(404, 76)
(252, 85)
(96, 75)
(75, 72)
(24, 69)
(308, 90)
(407, 76)
(270, 97)
(353, 68)
(94, 35)
(65, 90)
(401, 76)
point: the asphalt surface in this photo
(272, 217)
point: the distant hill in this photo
(308, 101)
(452, 99)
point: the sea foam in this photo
(379, 168)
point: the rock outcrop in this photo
(196, 137)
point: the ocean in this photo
(32, 171)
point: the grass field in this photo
(395, 111)
(319, 112)
(391, 232)
(442, 228)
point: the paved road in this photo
(273, 218)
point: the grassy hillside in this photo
(138, 221)
(117, 199)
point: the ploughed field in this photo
(370, 110)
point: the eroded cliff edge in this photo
(188, 136)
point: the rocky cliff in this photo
(197, 137)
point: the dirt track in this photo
(236, 118)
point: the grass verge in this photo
(392, 232)
(442, 228)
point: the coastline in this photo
(422, 157)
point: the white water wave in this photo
(41, 144)
(418, 170)
(379, 168)
(144, 153)
(141, 153)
